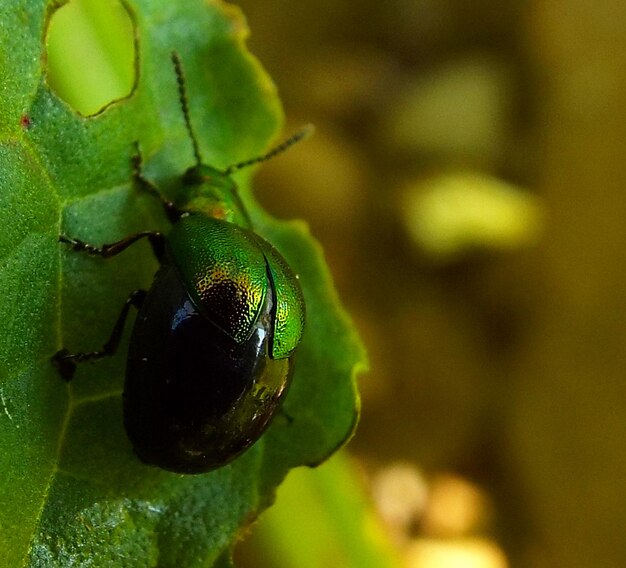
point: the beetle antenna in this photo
(302, 134)
(182, 93)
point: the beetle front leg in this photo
(172, 212)
(66, 362)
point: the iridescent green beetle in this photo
(211, 353)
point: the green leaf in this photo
(71, 489)
(320, 514)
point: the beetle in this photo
(211, 354)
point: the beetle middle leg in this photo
(66, 362)
(157, 242)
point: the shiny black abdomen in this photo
(194, 398)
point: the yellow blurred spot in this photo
(455, 507)
(455, 213)
(465, 553)
(91, 54)
(400, 492)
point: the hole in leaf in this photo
(91, 54)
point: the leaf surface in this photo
(72, 491)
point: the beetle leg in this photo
(287, 416)
(66, 361)
(157, 241)
(146, 185)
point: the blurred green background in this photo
(467, 182)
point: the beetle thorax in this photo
(211, 192)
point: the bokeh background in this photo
(467, 180)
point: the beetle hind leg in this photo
(66, 362)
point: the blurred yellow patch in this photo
(461, 553)
(455, 213)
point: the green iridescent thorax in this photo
(209, 191)
(228, 271)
